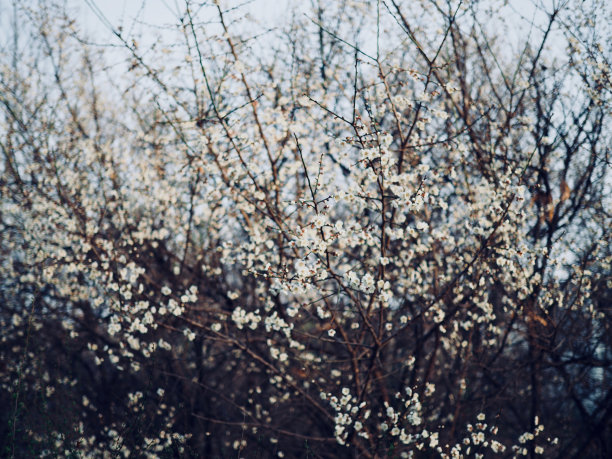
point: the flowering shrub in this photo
(380, 229)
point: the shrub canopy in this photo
(379, 229)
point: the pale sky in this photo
(160, 12)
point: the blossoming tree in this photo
(381, 229)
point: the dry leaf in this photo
(565, 191)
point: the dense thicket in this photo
(380, 229)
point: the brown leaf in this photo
(565, 191)
(537, 318)
(540, 319)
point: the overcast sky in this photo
(161, 12)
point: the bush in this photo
(382, 229)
